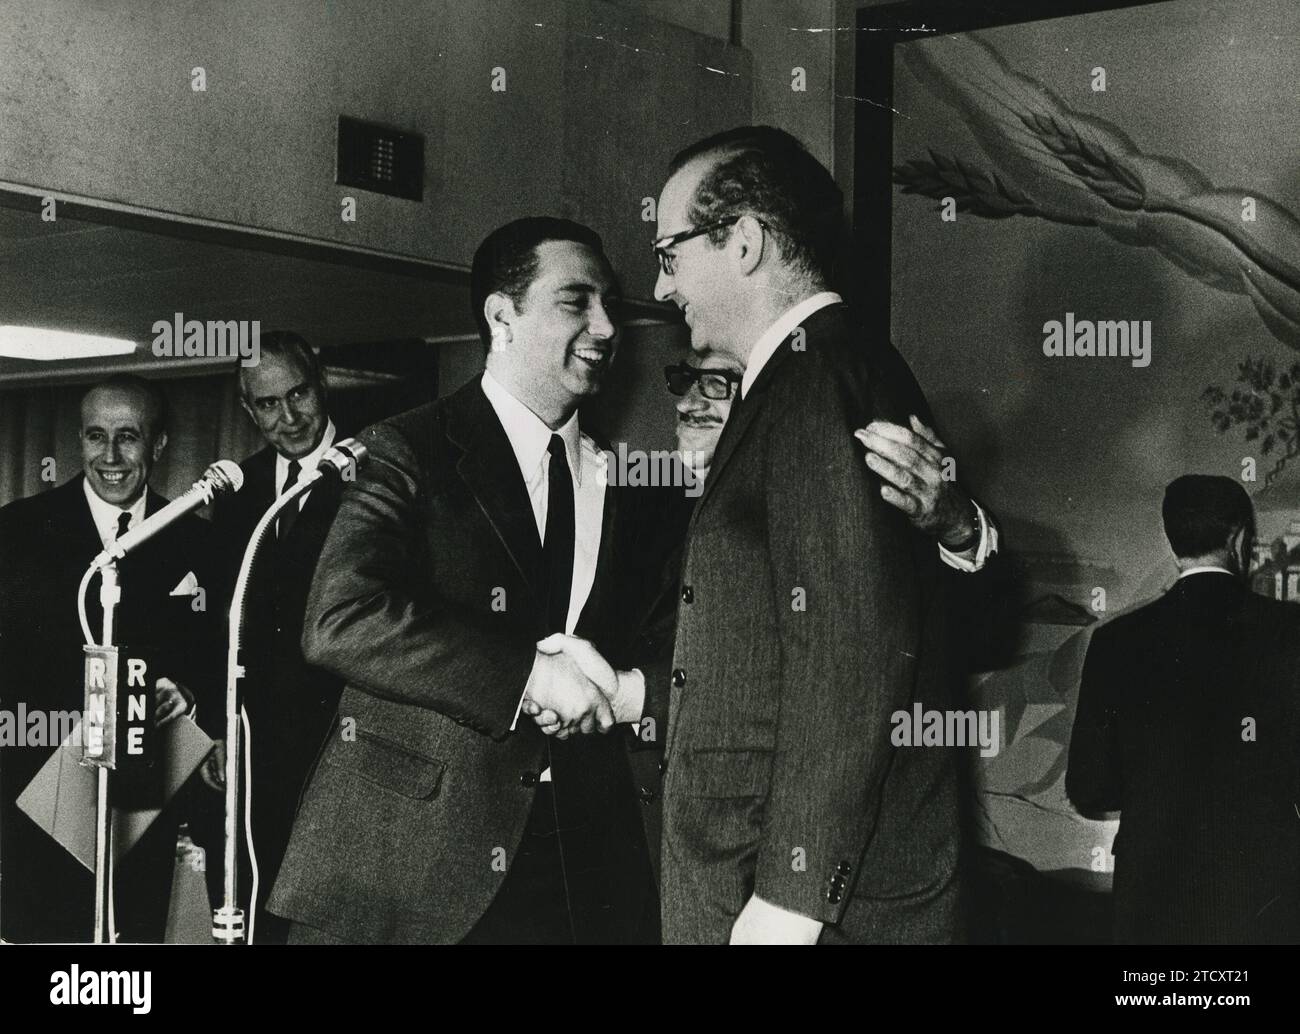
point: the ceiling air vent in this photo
(381, 159)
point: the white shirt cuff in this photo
(630, 704)
(971, 560)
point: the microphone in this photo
(343, 455)
(222, 476)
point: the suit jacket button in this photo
(679, 678)
(833, 897)
(688, 594)
(647, 796)
(663, 766)
(844, 868)
(529, 779)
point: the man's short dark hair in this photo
(157, 412)
(506, 261)
(767, 173)
(287, 345)
(1202, 511)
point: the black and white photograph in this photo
(651, 473)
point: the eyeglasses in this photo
(715, 384)
(661, 246)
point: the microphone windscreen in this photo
(226, 475)
(344, 454)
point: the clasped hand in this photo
(571, 688)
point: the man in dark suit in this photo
(291, 705)
(809, 608)
(480, 524)
(1188, 724)
(46, 543)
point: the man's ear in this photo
(750, 240)
(1239, 544)
(499, 310)
(159, 444)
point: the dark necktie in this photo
(558, 545)
(290, 513)
(123, 523)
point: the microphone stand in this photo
(110, 594)
(221, 476)
(228, 920)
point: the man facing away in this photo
(1188, 725)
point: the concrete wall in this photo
(96, 102)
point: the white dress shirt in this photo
(770, 340)
(1204, 569)
(968, 560)
(306, 466)
(105, 515)
(530, 439)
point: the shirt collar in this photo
(765, 347)
(307, 463)
(529, 436)
(1204, 569)
(105, 514)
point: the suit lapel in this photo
(743, 412)
(86, 543)
(491, 472)
(153, 502)
(259, 487)
(738, 423)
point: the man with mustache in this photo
(909, 461)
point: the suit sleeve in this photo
(845, 600)
(1093, 776)
(653, 655)
(374, 616)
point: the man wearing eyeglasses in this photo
(910, 461)
(809, 608)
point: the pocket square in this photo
(187, 586)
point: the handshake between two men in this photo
(572, 689)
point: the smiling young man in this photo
(480, 524)
(46, 543)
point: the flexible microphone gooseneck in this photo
(340, 460)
